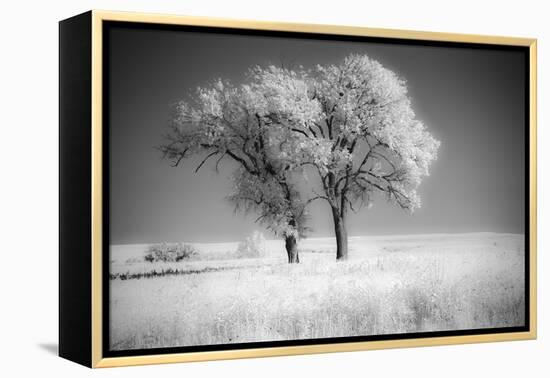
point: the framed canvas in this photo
(234, 189)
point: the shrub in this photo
(170, 252)
(253, 246)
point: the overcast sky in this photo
(472, 100)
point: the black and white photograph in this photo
(275, 189)
(271, 188)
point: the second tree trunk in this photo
(341, 234)
(292, 249)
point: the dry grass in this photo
(389, 285)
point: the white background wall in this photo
(29, 189)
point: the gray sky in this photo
(471, 100)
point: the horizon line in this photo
(331, 237)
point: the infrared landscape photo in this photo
(278, 188)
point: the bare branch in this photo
(300, 131)
(350, 204)
(240, 160)
(312, 131)
(205, 159)
(180, 158)
(260, 218)
(317, 197)
(220, 159)
(320, 129)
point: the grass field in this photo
(390, 284)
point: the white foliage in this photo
(253, 246)
(234, 122)
(337, 111)
(352, 121)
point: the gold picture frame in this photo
(94, 26)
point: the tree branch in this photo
(218, 161)
(205, 159)
(312, 131)
(180, 157)
(320, 129)
(310, 201)
(241, 160)
(300, 131)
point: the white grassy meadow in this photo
(390, 284)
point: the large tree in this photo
(351, 123)
(361, 135)
(228, 122)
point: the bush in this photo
(253, 246)
(165, 252)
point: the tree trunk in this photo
(341, 234)
(292, 249)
